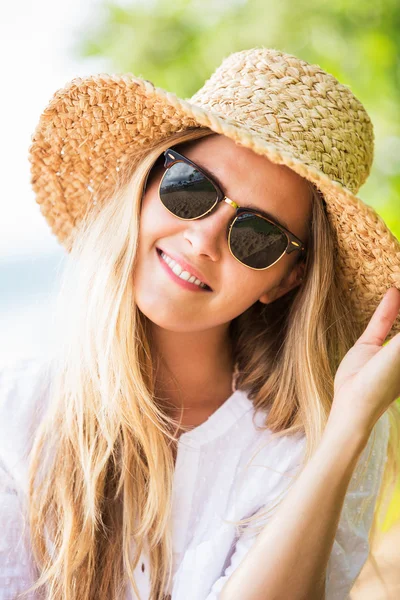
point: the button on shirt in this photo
(226, 469)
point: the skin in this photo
(190, 330)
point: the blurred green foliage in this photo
(177, 45)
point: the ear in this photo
(290, 281)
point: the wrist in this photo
(348, 440)
(350, 426)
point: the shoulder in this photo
(276, 460)
(268, 462)
(279, 450)
(23, 390)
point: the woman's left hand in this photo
(368, 378)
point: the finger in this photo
(383, 373)
(383, 318)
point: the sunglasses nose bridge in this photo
(234, 205)
(231, 202)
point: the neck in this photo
(193, 371)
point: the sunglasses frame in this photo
(294, 243)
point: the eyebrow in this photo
(262, 212)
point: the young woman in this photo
(213, 421)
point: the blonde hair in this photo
(101, 471)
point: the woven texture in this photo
(292, 112)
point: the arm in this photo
(289, 558)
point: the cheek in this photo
(242, 286)
(155, 220)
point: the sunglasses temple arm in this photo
(295, 244)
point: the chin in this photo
(170, 319)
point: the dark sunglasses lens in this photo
(186, 192)
(256, 242)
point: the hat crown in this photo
(297, 106)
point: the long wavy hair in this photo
(101, 465)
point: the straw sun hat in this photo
(279, 106)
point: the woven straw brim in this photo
(93, 125)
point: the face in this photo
(248, 179)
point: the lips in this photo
(186, 266)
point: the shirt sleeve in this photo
(18, 412)
(351, 547)
(16, 568)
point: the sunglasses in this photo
(254, 239)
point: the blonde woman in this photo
(217, 413)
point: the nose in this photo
(208, 235)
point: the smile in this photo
(185, 276)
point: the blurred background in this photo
(176, 45)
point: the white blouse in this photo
(226, 469)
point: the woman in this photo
(214, 420)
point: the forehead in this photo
(253, 180)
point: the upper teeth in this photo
(177, 269)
